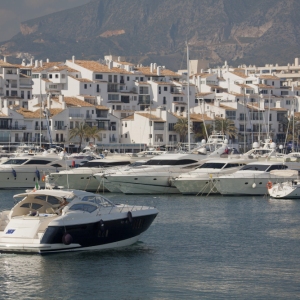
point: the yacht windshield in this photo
(98, 200)
(255, 168)
(15, 161)
(212, 166)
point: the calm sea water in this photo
(197, 248)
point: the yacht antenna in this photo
(269, 115)
(244, 123)
(188, 97)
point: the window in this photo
(56, 75)
(85, 86)
(125, 135)
(98, 89)
(113, 97)
(50, 75)
(28, 95)
(171, 126)
(63, 75)
(284, 93)
(264, 91)
(165, 88)
(35, 76)
(159, 90)
(128, 78)
(14, 93)
(230, 115)
(98, 76)
(109, 78)
(22, 94)
(164, 100)
(288, 102)
(158, 126)
(144, 90)
(37, 162)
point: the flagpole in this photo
(188, 96)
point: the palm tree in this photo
(93, 133)
(200, 132)
(80, 132)
(181, 127)
(226, 126)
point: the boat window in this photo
(212, 165)
(56, 166)
(36, 206)
(277, 167)
(255, 168)
(84, 207)
(40, 197)
(231, 166)
(53, 200)
(38, 162)
(15, 162)
(27, 205)
(98, 200)
(103, 164)
(169, 162)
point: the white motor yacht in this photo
(155, 176)
(82, 178)
(289, 189)
(25, 171)
(201, 180)
(252, 179)
(49, 221)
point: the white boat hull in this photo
(193, 186)
(85, 182)
(245, 185)
(285, 190)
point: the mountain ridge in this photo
(256, 32)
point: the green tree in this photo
(93, 133)
(226, 126)
(81, 132)
(200, 132)
(181, 127)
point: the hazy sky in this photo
(13, 12)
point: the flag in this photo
(36, 187)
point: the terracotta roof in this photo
(46, 80)
(80, 79)
(101, 107)
(128, 118)
(204, 94)
(203, 75)
(279, 109)
(254, 106)
(72, 101)
(164, 83)
(236, 94)
(227, 107)
(221, 79)
(244, 85)
(240, 74)
(163, 72)
(37, 114)
(264, 86)
(269, 77)
(124, 63)
(46, 66)
(6, 64)
(200, 117)
(62, 68)
(151, 117)
(97, 67)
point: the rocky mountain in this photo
(144, 31)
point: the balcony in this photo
(21, 127)
(175, 91)
(76, 116)
(88, 116)
(40, 128)
(60, 127)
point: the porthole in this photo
(246, 182)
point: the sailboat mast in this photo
(188, 97)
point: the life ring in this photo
(269, 185)
(43, 178)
